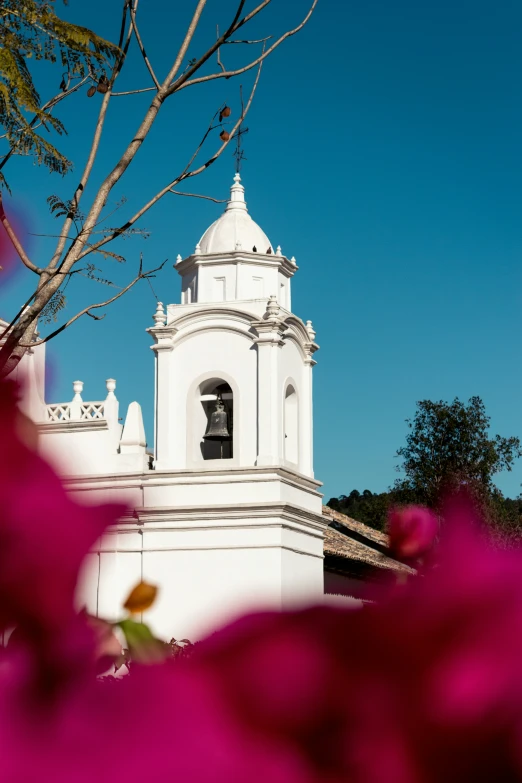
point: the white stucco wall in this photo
(218, 536)
(217, 544)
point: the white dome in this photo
(235, 229)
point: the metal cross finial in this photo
(238, 153)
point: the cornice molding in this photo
(203, 313)
(163, 336)
(289, 511)
(236, 474)
(236, 257)
(62, 427)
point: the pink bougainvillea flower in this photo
(423, 687)
(161, 723)
(412, 531)
(44, 534)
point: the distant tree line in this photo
(448, 446)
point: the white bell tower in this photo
(226, 524)
(234, 335)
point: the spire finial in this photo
(238, 153)
(311, 331)
(237, 195)
(159, 317)
(272, 308)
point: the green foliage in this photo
(449, 446)
(60, 208)
(53, 307)
(30, 29)
(142, 644)
(368, 507)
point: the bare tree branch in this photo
(259, 40)
(64, 259)
(198, 195)
(218, 52)
(86, 311)
(142, 48)
(263, 56)
(184, 80)
(117, 172)
(15, 241)
(94, 145)
(188, 38)
(181, 177)
(235, 25)
(132, 92)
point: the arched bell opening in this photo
(217, 404)
(291, 426)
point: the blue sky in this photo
(384, 152)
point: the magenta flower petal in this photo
(412, 531)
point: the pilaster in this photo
(163, 336)
(269, 417)
(306, 444)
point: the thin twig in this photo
(141, 276)
(181, 177)
(218, 52)
(46, 107)
(94, 149)
(180, 85)
(188, 38)
(15, 241)
(259, 40)
(142, 48)
(132, 92)
(198, 195)
(233, 27)
(65, 259)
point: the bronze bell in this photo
(218, 424)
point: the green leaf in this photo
(143, 645)
(30, 30)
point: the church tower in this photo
(234, 426)
(234, 338)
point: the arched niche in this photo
(208, 394)
(291, 425)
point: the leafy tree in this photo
(31, 30)
(449, 446)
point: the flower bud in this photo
(412, 531)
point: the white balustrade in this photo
(78, 410)
(62, 411)
(92, 410)
(58, 412)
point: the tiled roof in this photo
(357, 527)
(353, 540)
(341, 545)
